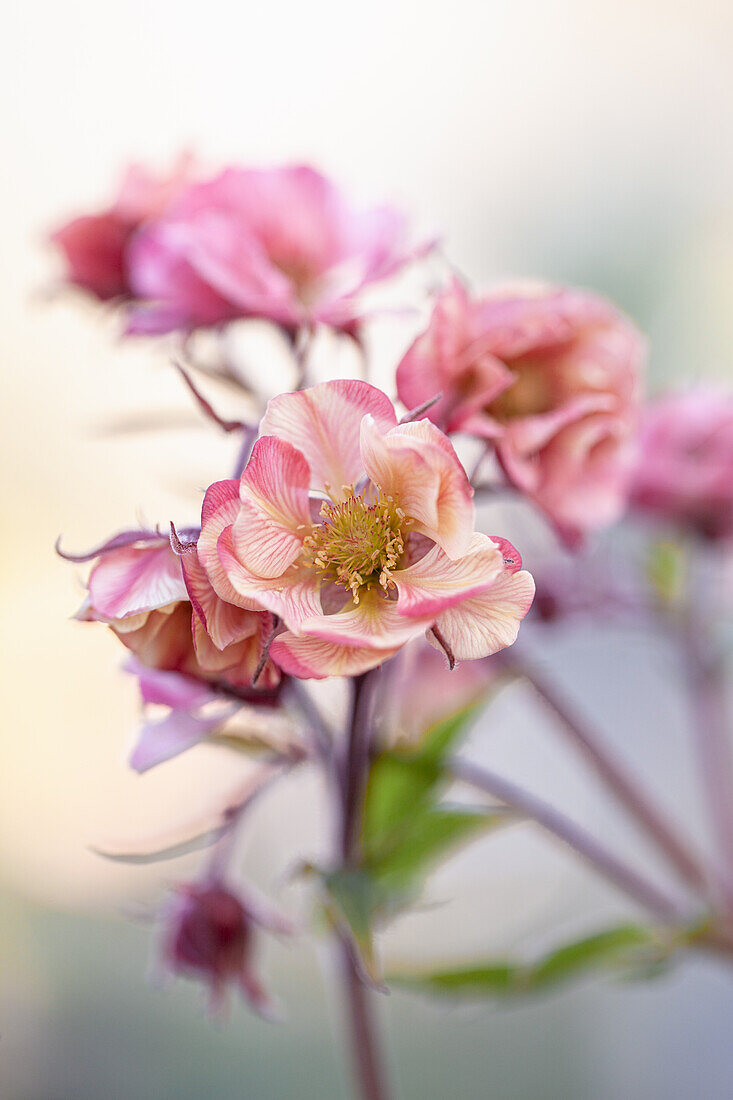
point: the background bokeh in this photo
(588, 143)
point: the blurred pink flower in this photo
(283, 244)
(209, 934)
(685, 469)
(358, 533)
(550, 378)
(95, 246)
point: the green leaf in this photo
(628, 948)
(665, 570)
(354, 902)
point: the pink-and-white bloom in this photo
(95, 246)
(162, 608)
(684, 473)
(282, 244)
(549, 377)
(358, 533)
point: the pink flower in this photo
(548, 377)
(282, 244)
(209, 935)
(162, 608)
(95, 245)
(685, 469)
(358, 533)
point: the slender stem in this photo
(626, 878)
(249, 435)
(706, 678)
(615, 776)
(368, 1064)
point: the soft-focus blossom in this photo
(282, 244)
(162, 607)
(548, 377)
(358, 533)
(210, 935)
(684, 473)
(95, 246)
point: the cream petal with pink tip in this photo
(313, 658)
(293, 595)
(417, 465)
(484, 624)
(268, 532)
(436, 582)
(323, 424)
(133, 579)
(374, 622)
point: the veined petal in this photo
(224, 622)
(220, 509)
(323, 424)
(484, 624)
(417, 465)
(374, 622)
(293, 596)
(269, 530)
(132, 579)
(436, 582)
(312, 658)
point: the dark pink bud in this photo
(210, 937)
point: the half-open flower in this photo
(161, 606)
(357, 532)
(283, 244)
(550, 379)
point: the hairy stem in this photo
(366, 1057)
(626, 878)
(614, 775)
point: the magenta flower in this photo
(95, 246)
(162, 608)
(209, 935)
(358, 533)
(550, 379)
(685, 469)
(282, 244)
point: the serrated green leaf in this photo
(440, 739)
(629, 949)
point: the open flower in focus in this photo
(281, 244)
(210, 934)
(357, 532)
(95, 246)
(684, 474)
(549, 378)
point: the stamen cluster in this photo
(358, 544)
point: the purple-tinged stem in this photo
(366, 1056)
(625, 877)
(708, 704)
(614, 775)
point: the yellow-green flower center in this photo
(358, 544)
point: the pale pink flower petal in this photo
(293, 596)
(484, 624)
(437, 582)
(220, 509)
(417, 466)
(168, 737)
(374, 622)
(275, 511)
(132, 579)
(323, 424)
(312, 658)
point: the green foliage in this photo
(405, 832)
(665, 570)
(629, 949)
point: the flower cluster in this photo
(347, 540)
